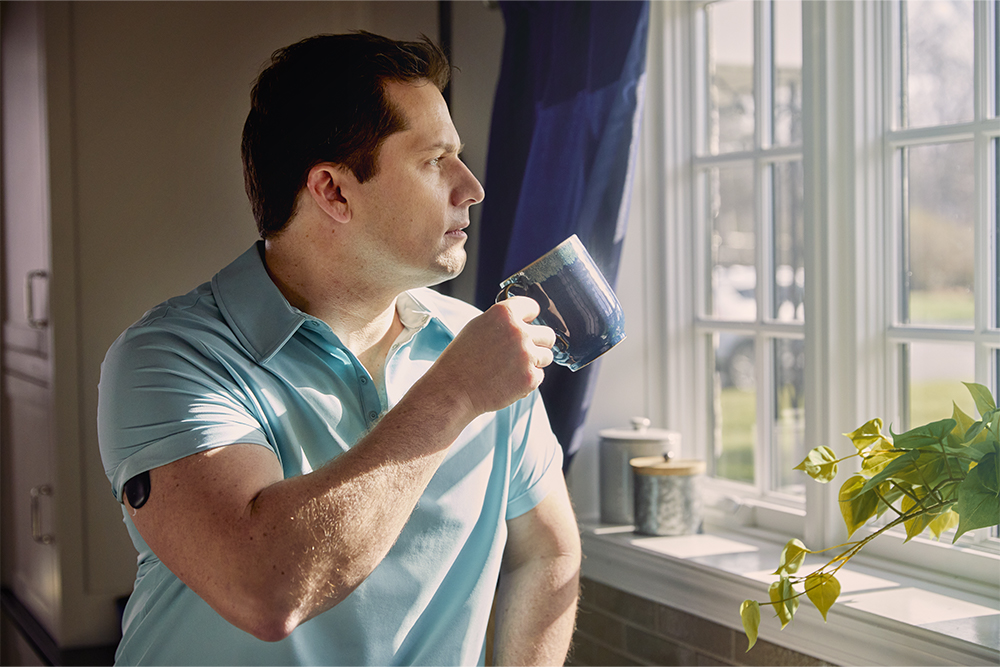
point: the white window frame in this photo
(850, 322)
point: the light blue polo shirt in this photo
(234, 362)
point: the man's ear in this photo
(326, 183)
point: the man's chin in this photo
(450, 268)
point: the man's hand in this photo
(497, 358)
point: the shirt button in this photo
(363, 379)
(372, 415)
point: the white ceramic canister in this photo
(667, 495)
(618, 447)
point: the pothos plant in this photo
(935, 477)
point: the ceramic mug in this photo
(575, 300)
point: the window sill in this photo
(881, 617)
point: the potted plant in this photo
(935, 477)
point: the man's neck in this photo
(362, 315)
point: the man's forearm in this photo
(536, 612)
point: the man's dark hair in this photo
(323, 100)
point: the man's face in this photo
(416, 207)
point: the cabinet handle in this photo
(29, 299)
(36, 514)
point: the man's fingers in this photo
(523, 308)
(542, 336)
(544, 357)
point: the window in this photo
(749, 216)
(835, 199)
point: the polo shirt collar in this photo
(254, 307)
(263, 320)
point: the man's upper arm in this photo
(548, 530)
(197, 509)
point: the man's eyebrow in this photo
(445, 146)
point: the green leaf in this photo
(867, 435)
(963, 422)
(943, 523)
(820, 464)
(982, 396)
(878, 459)
(823, 589)
(932, 468)
(980, 449)
(893, 470)
(785, 601)
(856, 507)
(750, 614)
(929, 434)
(978, 503)
(791, 557)
(917, 524)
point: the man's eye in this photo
(435, 161)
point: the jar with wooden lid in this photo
(667, 495)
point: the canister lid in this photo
(659, 465)
(640, 431)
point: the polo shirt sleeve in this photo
(164, 396)
(536, 457)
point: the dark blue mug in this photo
(575, 300)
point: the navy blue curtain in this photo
(565, 120)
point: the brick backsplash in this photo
(618, 628)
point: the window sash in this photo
(763, 329)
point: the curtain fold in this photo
(562, 140)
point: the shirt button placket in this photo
(368, 396)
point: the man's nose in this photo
(469, 191)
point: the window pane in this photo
(789, 243)
(733, 243)
(789, 414)
(938, 62)
(939, 233)
(936, 373)
(787, 72)
(735, 407)
(730, 73)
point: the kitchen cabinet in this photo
(54, 517)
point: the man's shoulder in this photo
(194, 315)
(453, 313)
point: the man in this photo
(320, 460)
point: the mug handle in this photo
(508, 285)
(560, 350)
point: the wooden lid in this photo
(641, 431)
(658, 465)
